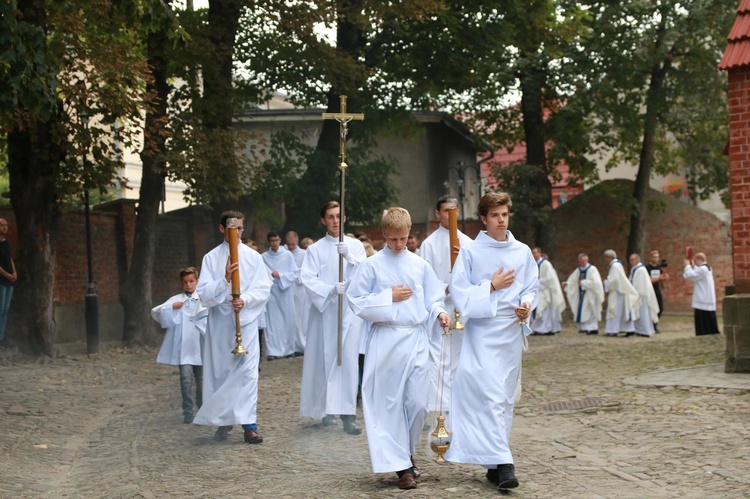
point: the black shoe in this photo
(187, 418)
(611, 335)
(222, 433)
(328, 421)
(492, 475)
(596, 331)
(352, 428)
(271, 357)
(629, 334)
(299, 354)
(506, 476)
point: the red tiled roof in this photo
(738, 50)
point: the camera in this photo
(663, 263)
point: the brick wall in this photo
(593, 222)
(739, 173)
(183, 237)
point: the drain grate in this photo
(576, 405)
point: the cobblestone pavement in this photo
(110, 425)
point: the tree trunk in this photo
(34, 153)
(135, 293)
(637, 235)
(532, 82)
(218, 104)
(33, 156)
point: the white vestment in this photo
(395, 381)
(281, 321)
(646, 304)
(551, 300)
(704, 292)
(301, 302)
(585, 292)
(328, 388)
(230, 382)
(485, 385)
(436, 251)
(182, 342)
(621, 299)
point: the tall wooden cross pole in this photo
(343, 118)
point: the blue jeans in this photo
(186, 384)
(6, 293)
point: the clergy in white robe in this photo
(301, 300)
(621, 298)
(585, 292)
(399, 293)
(491, 278)
(551, 301)
(230, 382)
(281, 318)
(647, 305)
(436, 251)
(330, 389)
(704, 294)
(182, 342)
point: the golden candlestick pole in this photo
(343, 118)
(234, 241)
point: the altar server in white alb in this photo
(281, 322)
(621, 298)
(182, 346)
(230, 382)
(704, 294)
(329, 389)
(436, 250)
(301, 300)
(399, 293)
(492, 278)
(646, 308)
(551, 301)
(585, 292)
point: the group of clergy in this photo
(632, 307)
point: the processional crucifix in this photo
(343, 118)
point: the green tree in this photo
(509, 79)
(188, 131)
(281, 50)
(655, 93)
(46, 50)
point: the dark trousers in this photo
(705, 322)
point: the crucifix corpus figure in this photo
(343, 118)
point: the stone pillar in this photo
(737, 332)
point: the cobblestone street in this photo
(110, 425)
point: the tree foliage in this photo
(654, 91)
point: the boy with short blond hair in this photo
(399, 293)
(181, 346)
